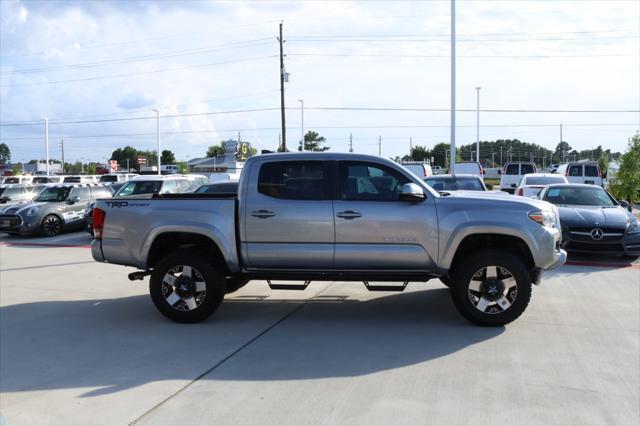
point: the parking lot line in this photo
(15, 244)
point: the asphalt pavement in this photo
(81, 344)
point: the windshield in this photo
(12, 180)
(543, 180)
(140, 187)
(41, 180)
(9, 192)
(58, 193)
(579, 196)
(465, 184)
(108, 178)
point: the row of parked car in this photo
(49, 208)
(592, 220)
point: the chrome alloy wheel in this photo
(184, 288)
(492, 289)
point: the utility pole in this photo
(501, 163)
(46, 143)
(493, 159)
(284, 130)
(62, 148)
(350, 142)
(478, 124)
(301, 124)
(453, 87)
(379, 146)
(410, 144)
(158, 136)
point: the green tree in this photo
(126, 156)
(313, 142)
(5, 153)
(603, 163)
(167, 157)
(419, 153)
(626, 184)
(215, 150)
(17, 169)
(561, 152)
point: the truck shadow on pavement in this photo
(107, 346)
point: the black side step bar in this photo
(286, 286)
(385, 287)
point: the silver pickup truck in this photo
(306, 217)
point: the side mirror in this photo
(73, 200)
(411, 192)
(625, 204)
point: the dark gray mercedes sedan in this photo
(593, 221)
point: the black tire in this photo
(506, 265)
(445, 280)
(202, 267)
(51, 226)
(235, 283)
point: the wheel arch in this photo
(493, 241)
(171, 241)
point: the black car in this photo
(593, 221)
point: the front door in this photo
(288, 216)
(374, 229)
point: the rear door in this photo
(374, 229)
(288, 216)
(575, 173)
(511, 176)
(592, 175)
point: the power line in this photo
(132, 59)
(384, 55)
(141, 72)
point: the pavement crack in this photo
(225, 359)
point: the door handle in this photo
(349, 214)
(262, 214)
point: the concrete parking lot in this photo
(80, 344)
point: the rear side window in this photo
(575, 171)
(526, 169)
(512, 169)
(293, 180)
(591, 171)
(82, 192)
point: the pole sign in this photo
(113, 165)
(244, 151)
(142, 161)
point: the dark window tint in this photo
(543, 180)
(108, 178)
(361, 181)
(575, 171)
(512, 169)
(293, 180)
(41, 180)
(526, 168)
(12, 180)
(72, 179)
(591, 171)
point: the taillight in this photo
(98, 222)
(566, 172)
(520, 191)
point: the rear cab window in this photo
(512, 169)
(294, 180)
(526, 169)
(591, 171)
(575, 171)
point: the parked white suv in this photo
(469, 168)
(418, 168)
(581, 172)
(513, 172)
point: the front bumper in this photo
(627, 245)
(17, 224)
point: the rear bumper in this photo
(96, 251)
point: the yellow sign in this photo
(244, 151)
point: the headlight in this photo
(634, 227)
(546, 219)
(31, 211)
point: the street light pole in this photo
(478, 124)
(301, 124)
(453, 87)
(46, 143)
(158, 137)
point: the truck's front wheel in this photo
(491, 288)
(186, 287)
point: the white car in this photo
(586, 172)
(469, 168)
(512, 174)
(418, 168)
(531, 184)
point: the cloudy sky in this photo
(97, 69)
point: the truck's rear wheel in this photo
(186, 287)
(491, 288)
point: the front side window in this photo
(294, 180)
(575, 171)
(360, 181)
(54, 194)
